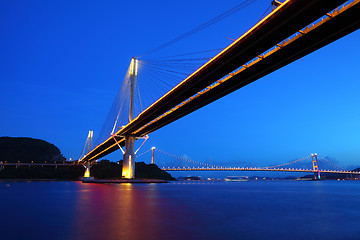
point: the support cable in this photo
(202, 26)
(284, 164)
(143, 153)
(324, 160)
(184, 159)
(185, 54)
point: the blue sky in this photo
(62, 62)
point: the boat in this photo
(237, 179)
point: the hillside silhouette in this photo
(22, 149)
(27, 150)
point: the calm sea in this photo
(180, 210)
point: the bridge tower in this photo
(129, 155)
(86, 150)
(153, 155)
(315, 166)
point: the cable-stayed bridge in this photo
(292, 30)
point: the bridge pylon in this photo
(315, 166)
(86, 150)
(153, 155)
(128, 170)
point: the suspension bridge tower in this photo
(315, 166)
(129, 155)
(153, 155)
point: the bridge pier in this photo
(87, 170)
(128, 170)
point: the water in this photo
(180, 210)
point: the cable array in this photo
(119, 112)
(184, 159)
(157, 76)
(216, 19)
(326, 161)
(288, 163)
(141, 154)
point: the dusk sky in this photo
(62, 63)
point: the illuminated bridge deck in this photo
(258, 169)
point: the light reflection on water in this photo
(180, 210)
(119, 212)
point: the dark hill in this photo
(28, 149)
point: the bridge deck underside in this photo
(309, 41)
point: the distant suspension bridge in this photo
(284, 167)
(171, 162)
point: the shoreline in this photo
(124, 181)
(88, 181)
(37, 180)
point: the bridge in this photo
(165, 160)
(170, 162)
(292, 30)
